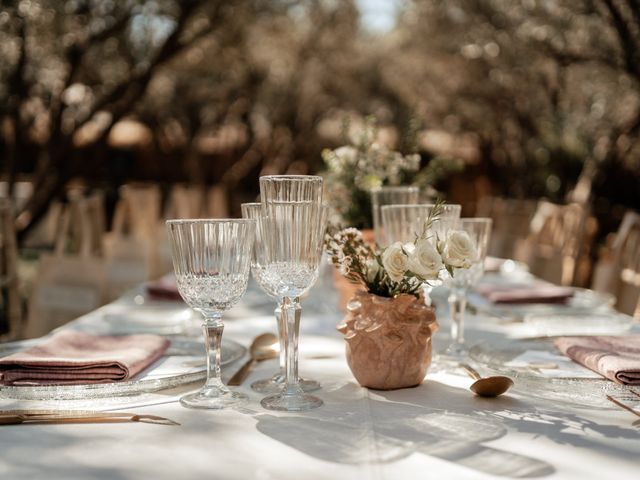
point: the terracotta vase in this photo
(388, 340)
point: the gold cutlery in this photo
(264, 347)
(487, 386)
(622, 405)
(16, 417)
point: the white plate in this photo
(583, 301)
(597, 323)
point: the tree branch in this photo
(18, 85)
(118, 102)
(627, 42)
(121, 99)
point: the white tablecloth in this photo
(437, 430)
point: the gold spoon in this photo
(264, 347)
(487, 386)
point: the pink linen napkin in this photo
(163, 289)
(539, 292)
(70, 358)
(614, 357)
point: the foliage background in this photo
(537, 97)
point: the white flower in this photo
(372, 270)
(459, 249)
(350, 231)
(425, 261)
(347, 155)
(395, 261)
(345, 265)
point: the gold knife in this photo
(16, 417)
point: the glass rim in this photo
(390, 188)
(476, 219)
(314, 178)
(414, 206)
(179, 221)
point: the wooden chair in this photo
(70, 280)
(556, 242)
(217, 202)
(619, 271)
(11, 325)
(186, 201)
(511, 220)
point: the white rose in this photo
(425, 261)
(395, 262)
(372, 270)
(459, 249)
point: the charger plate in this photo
(182, 363)
(583, 301)
(497, 358)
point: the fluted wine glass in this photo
(275, 383)
(292, 226)
(401, 223)
(211, 260)
(390, 195)
(478, 231)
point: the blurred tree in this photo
(75, 68)
(547, 93)
(551, 88)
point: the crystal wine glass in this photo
(401, 223)
(292, 226)
(381, 196)
(275, 383)
(211, 259)
(479, 231)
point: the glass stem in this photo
(457, 306)
(291, 311)
(213, 328)
(282, 331)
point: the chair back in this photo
(626, 257)
(511, 220)
(11, 320)
(556, 241)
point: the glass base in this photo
(214, 398)
(291, 402)
(455, 353)
(274, 385)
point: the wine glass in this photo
(292, 226)
(211, 260)
(275, 383)
(402, 223)
(479, 231)
(403, 194)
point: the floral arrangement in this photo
(363, 164)
(399, 268)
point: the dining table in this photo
(438, 429)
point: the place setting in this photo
(212, 260)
